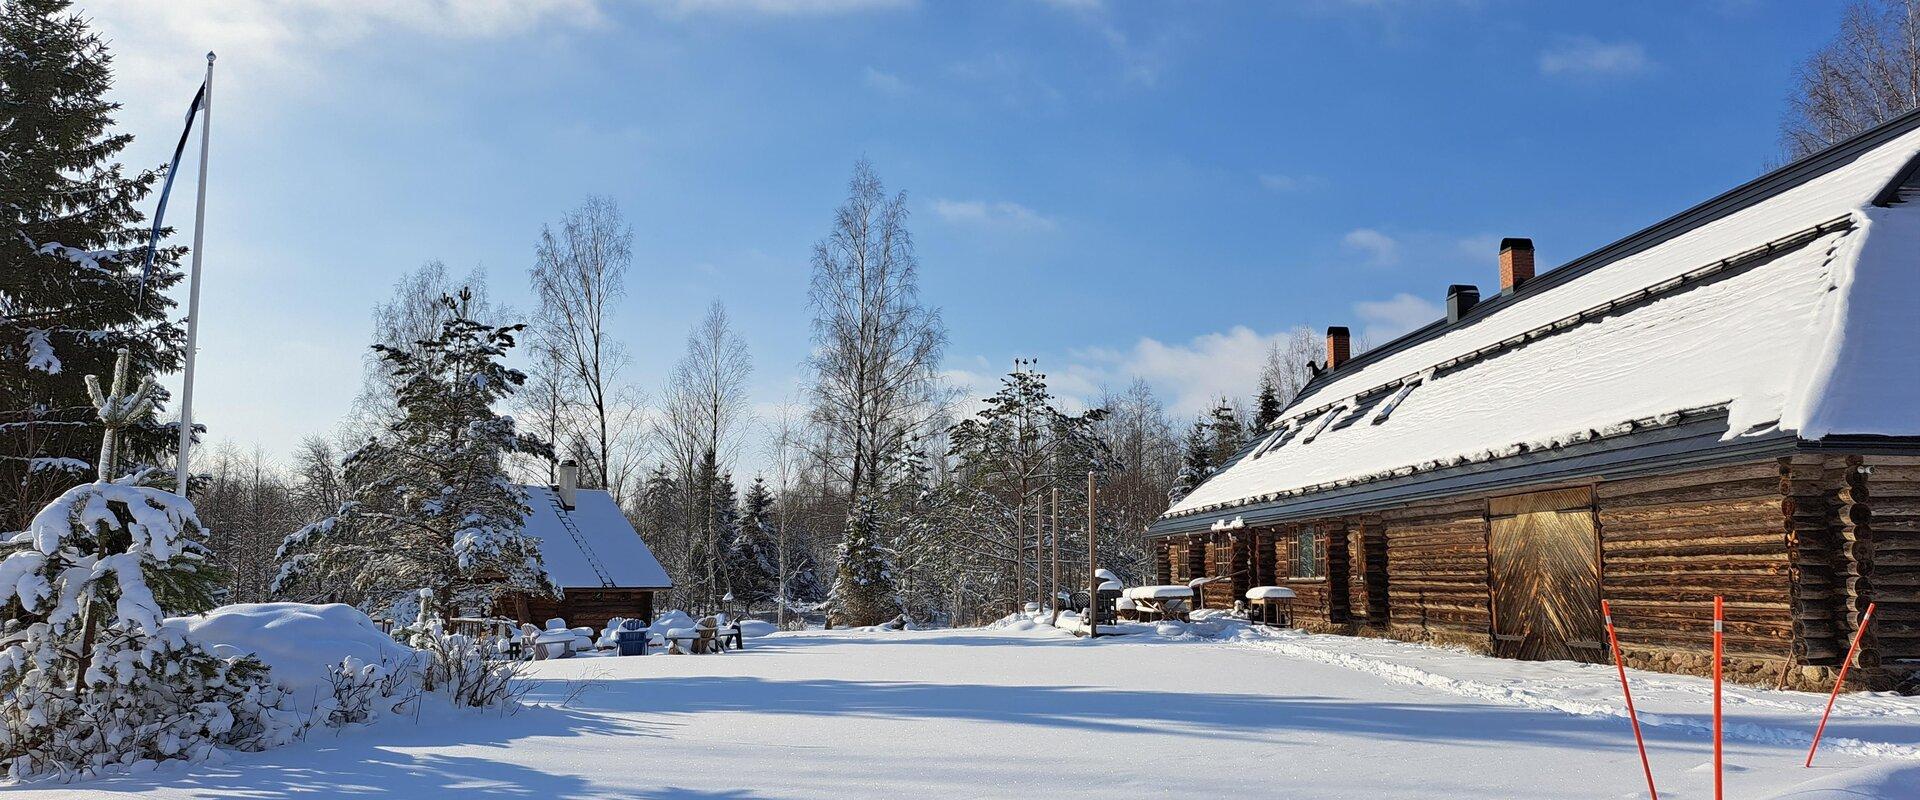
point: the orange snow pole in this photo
(1719, 626)
(1839, 682)
(1619, 663)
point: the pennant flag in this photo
(166, 188)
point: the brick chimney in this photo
(1516, 263)
(569, 488)
(1339, 346)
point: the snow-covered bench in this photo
(706, 637)
(1271, 599)
(1165, 601)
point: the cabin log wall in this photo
(1671, 543)
(580, 607)
(1436, 562)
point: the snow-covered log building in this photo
(1725, 403)
(592, 552)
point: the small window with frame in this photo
(1304, 561)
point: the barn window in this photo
(1305, 559)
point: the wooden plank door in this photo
(1543, 560)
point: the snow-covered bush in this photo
(89, 676)
(364, 692)
(466, 670)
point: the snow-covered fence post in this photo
(117, 410)
(1839, 681)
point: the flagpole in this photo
(193, 286)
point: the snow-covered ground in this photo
(1027, 711)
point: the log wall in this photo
(1879, 515)
(1671, 543)
(589, 607)
(1436, 565)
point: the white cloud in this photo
(776, 8)
(1189, 375)
(1379, 248)
(1001, 215)
(1387, 319)
(1585, 55)
(1482, 247)
(270, 47)
(1277, 182)
(886, 83)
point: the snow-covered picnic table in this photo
(1168, 601)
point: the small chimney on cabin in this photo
(569, 483)
(1516, 263)
(1339, 346)
(1461, 298)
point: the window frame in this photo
(1303, 562)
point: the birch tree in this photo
(876, 346)
(1868, 74)
(579, 275)
(703, 413)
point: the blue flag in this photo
(166, 188)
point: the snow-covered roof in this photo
(1783, 307)
(591, 546)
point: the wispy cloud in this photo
(284, 44)
(1000, 215)
(1384, 320)
(886, 83)
(1191, 375)
(1277, 182)
(776, 8)
(1379, 248)
(1585, 55)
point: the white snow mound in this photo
(298, 640)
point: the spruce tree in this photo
(1226, 434)
(71, 247)
(863, 591)
(1266, 406)
(431, 506)
(752, 555)
(1196, 462)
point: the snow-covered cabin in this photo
(1725, 403)
(592, 552)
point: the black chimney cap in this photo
(1462, 297)
(1516, 243)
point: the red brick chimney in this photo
(1516, 263)
(1339, 346)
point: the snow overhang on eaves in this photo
(1692, 441)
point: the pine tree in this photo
(863, 591)
(431, 506)
(1266, 406)
(71, 248)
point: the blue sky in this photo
(1115, 188)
